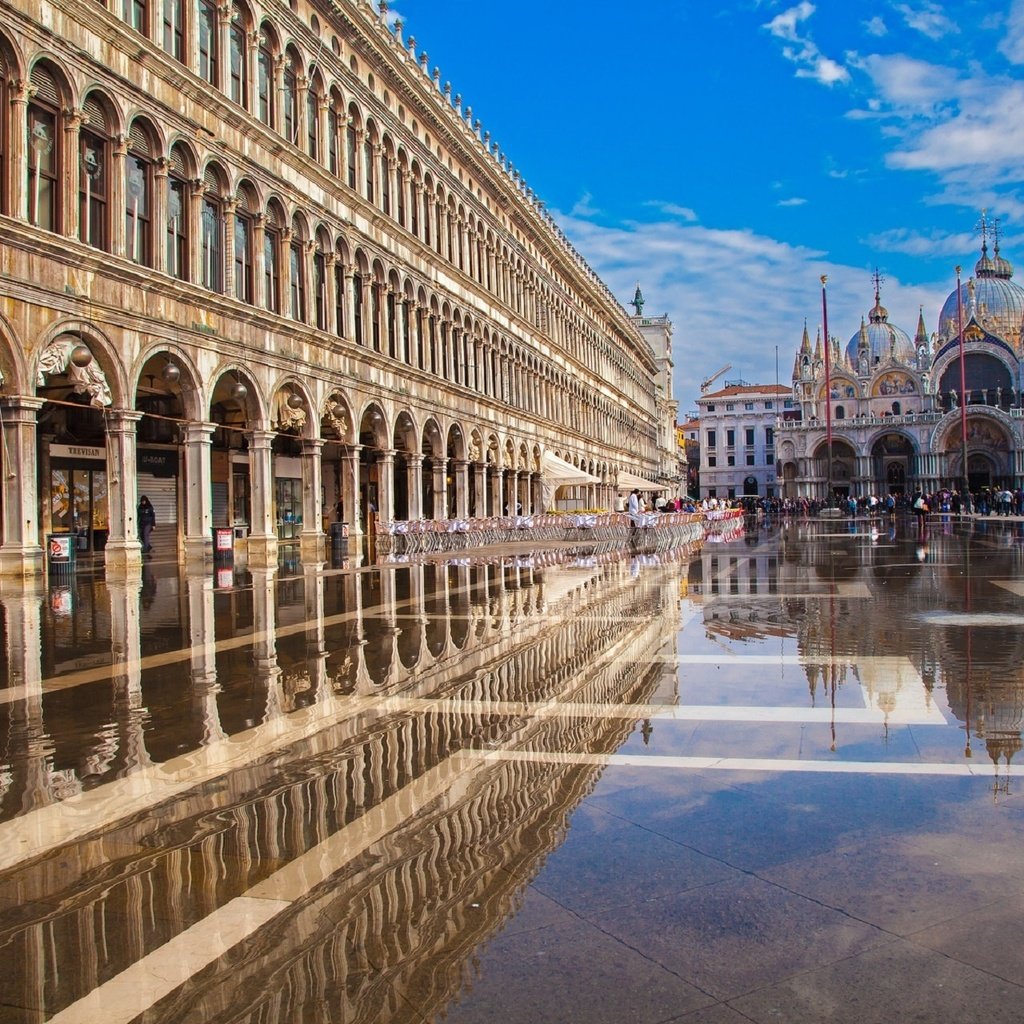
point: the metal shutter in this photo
(162, 491)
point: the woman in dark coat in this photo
(147, 520)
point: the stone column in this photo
(350, 304)
(123, 551)
(479, 511)
(158, 226)
(70, 172)
(259, 261)
(440, 510)
(461, 482)
(330, 293)
(198, 491)
(497, 488)
(262, 536)
(311, 539)
(194, 233)
(20, 550)
(118, 201)
(349, 462)
(414, 471)
(386, 485)
(228, 207)
(19, 152)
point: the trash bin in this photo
(339, 534)
(223, 544)
(60, 553)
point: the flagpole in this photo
(966, 502)
(828, 387)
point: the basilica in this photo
(904, 415)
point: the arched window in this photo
(320, 284)
(339, 293)
(134, 12)
(385, 183)
(368, 165)
(174, 29)
(265, 107)
(313, 120)
(178, 193)
(212, 269)
(357, 307)
(333, 128)
(44, 152)
(376, 287)
(297, 273)
(272, 233)
(402, 185)
(840, 413)
(208, 48)
(94, 176)
(239, 60)
(244, 220)
(138, 194)
(4, 100)
(290, 102)
(426, 213)
(351, 143)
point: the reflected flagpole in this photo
(828, 385)
(966, 502)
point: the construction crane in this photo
(706, 383)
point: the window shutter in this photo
(45, 86)
(138, 139)
(97, 116)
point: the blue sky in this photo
(726, 155)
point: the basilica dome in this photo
(995, 301)
(878, 341)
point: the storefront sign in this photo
(158, 461)
(76, 451)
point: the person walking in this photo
(147, 520)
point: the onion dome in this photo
(879, 341)
(998, 300)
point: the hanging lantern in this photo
(171, 373)
(239, 390)
(81, 356)
(294, 401)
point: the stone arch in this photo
(105, 353)
(188, 384)
(291, 407)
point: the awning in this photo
(557, 472)
(627, 481)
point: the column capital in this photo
(122, 418)
(260, 438)
(201, 433)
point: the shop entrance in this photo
(79, 503)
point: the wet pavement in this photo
(772, 779)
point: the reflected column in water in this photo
(126, 651)
(203, 655)
(316, 647)
(266, 670)
(29, 748)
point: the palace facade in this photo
(898, 405)
(260, 265)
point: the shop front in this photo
(78, 496)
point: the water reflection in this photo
(338, 784)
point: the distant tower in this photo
(638, 301)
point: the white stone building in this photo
(261, 265)
(737, 439)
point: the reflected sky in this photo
(348, 794)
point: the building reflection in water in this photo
(317, 744)
(367, 768)
(946, 601)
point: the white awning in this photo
(627, 481)
(557, 472)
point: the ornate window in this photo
(320, 285)
(212, 238)
(290, 103)
(94, 176)
(385, 183)
(357, 306)
(239, 61)
(178, 193)
(313, 120)
(138, 194)
(339, 293)
(244, 276)
(272, 260)
(351, 140)
(44, 152)
(265, 107)
(297, 274)
(174, 29)
(208, 55)
(368, 165)
(135, 14)
(333, 128)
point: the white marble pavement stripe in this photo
(756, 764)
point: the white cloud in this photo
(673, 209)
(916, 243)
(734, 295)
(1012, 44)
(929, 19)
(801, 49)
(584, 206)
(793, 201)
(876, 27)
